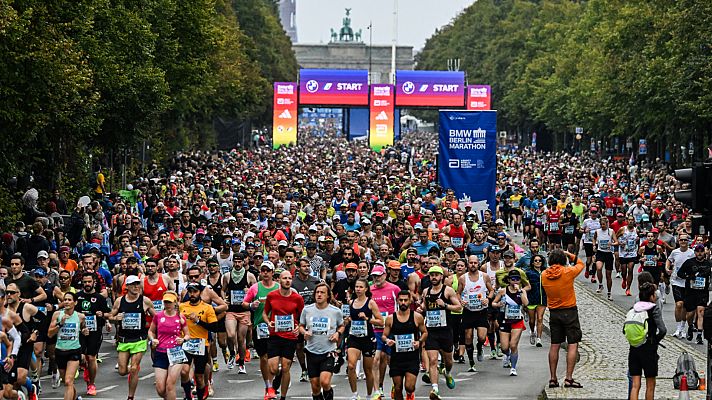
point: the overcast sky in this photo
(417, 19)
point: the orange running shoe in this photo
(247, 355)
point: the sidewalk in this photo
(604, 355)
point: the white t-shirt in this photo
(677, 258)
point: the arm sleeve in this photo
(16, 340)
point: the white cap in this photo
(132, 279)
(299, 236)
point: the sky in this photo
(417, 19)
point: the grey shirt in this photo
(305, 288)
(322, 324)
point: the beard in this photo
(403, 307)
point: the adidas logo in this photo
(382, 116)
(285, 115)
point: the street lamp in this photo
(370, 49)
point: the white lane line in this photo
(240, 380)
(147, 376)
(106, 389)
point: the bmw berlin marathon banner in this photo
(467, 157)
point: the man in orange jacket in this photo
(558, 283)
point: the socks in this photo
(435, 387)
(187, 389)
(480, 343)
(493, 344)
(268, 384)
(470, 352)
(513, 358)
(328, 395)
(317, 397)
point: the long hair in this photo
(365, 283)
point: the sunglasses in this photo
(11, 292)
(514, 278)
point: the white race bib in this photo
(435, 319)
(698, 283)
(345, 310)
(604, 244)
(474, 302)
(553, 226)
(359, 328)
(69, 332)
(237, 297)
(262, 331)
(513, 311)
(569, 230)
(283, 323)
(631, 245)
(319, 325)
(194, 346)
(158, 305)
(649, 260)
(404, 343)
(176, 355)
(90, 321)
(131, 321)
(457, 242)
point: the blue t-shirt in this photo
(424, 248)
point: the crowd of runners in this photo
(335, 254)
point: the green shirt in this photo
(68, 334)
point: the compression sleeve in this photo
(16, 340)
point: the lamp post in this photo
(370, 49)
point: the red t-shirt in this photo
(279, 308)
(613, 204)
(616, 226)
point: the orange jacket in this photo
(558, 283)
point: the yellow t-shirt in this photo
(206, 314)
(515, 200)
(100, 180)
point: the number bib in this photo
(554, 226)
(69, 332)
(569, 230)
(319, 325)
(345, 310)
(283, 323)
(359, 328)
(698, 283)
(604, 244)
(609, 212)
(631, 245)
(435, 319)
(262, 331)
(131, 321)
(515, 204)
(474, 302)
(512, 311)
(195, 346)
(158, 305)
(404, 343)
(90, 321)
(480, 257)
(176, 355)
(649, 261)
(457, 242)
(237, 297)
(224, 269)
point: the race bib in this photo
(237, 297)
(435, 319)
(631, 245)
(359, 328)
(194, 346)
(474, 302)
(553, 226)
(224, 269)
(90, 321)
(319, 325)
(345, 310)
(569, 230)
(480, 257)
(609, 212)
(604, 244)
(158, 305)
(512, 311)
(698, 283)
(589, 236)
(131, 321)
(457, 242)
(515, 204)
(176, 355)
(69, 332)
(404, 343)
(283, 323)
(540, 220)
(262, 331)
(649, 260)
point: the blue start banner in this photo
(467, 157)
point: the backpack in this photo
(686, 367)
(93, 181)
(635, 327)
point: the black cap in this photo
(311, 245)
(194, 286)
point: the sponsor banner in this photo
(358, 123)
(284, 117)
(467, 157)
(642, 147)
(333, 87)
(479, 97)
(430, 88)
(382, 116)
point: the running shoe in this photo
(21, 395)
(513, 372)
(99, 360)
(499, 351)
(449, 381)
(677, 333)
(410, 396)
(76, 374)
(231, 362)
(426, 378)
(506, 363)
(91, 390)
(210, 389)
(640, 269)
(241, 370)
(472, 368)
(627, 292)
(393, 392)
(618, 274)
(434, 395)
(610, 297)
(226, 356)
(532, 339)
(480, 355)
(493, 355)
(376, 395)
(441, 369)
(248, 356)
(216, 367)
(460, 359)
(538, 342)
(33, 394)
(361, 376)
(600, 289)
(56, 380)
(270, 394)
(355, 397)
(586, 274)
(699, 338)
(422, 368)
(116, 366)
(593, 279)
(85, 375)
(304, 377)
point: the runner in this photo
(537, 299)
(696, 272)
(628, 252)
(94, 307)
(304, 283)
(281, 311)
(438, 302)
(512, 299)
(68, 325)
(167, 333)
(604, 240)
(201, 319)
(237, 321)
(130, 312)
(322, 326)
(384, 294)
(11, 340)
(475, 291)
(589, 227)
(405, 334)
(363, 315)
(675, 260)
(31, 319)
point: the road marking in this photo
(240, 380)
(107, 388)
(147, 376)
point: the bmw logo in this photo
(408, 87)
(312, 86)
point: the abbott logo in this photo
(453, 163)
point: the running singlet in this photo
(68, 335)
(477, 250)
(436, 318)
(284, 311)
(553, 222)
(457, 237)
(360, 328)
(512, 306)
(474, 292)
(603, 240)
(154, 292)
(236, 293)
(590, 226)
(168, 329)
(404, 335)
(385, 298)
(628, 241)
(133, 325)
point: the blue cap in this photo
(39, 272)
